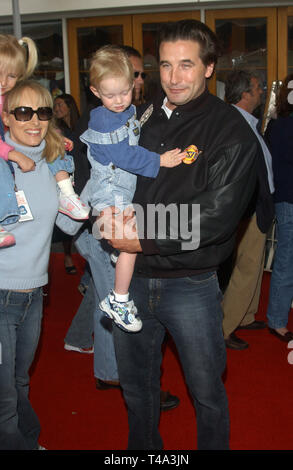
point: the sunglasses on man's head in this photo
(25, 113)
(137, 74)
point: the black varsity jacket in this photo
(221, 180)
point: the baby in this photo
(116, 159)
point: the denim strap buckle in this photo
(117, 136)
(105, 138)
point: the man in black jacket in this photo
(186, 222)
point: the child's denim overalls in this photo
(109, 185)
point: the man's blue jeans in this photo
(190, 308)
(281, 285)
(80, 332)
(20, 325)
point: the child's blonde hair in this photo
(110, 61)
(19, 56)
(54, 141)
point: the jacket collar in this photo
(195, 106)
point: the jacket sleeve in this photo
(231, 182)
(132, 158)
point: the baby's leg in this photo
(117, 304)
(64, 182)
(69, 202)
(123, 274)
(61, 176)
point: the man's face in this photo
(254, 96)
(183, 74)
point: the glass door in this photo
(85, 36)
(249, 41)
(145, 35)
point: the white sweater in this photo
(25, 265)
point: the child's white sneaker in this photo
(6, 238)
(124, 314)
(73, 207)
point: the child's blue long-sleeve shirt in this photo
(124, 154)
(115, 158)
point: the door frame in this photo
(277, 30)
(139, 20)
(283, 13)
(72, 27)
(271, 14)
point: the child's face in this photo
(7, 81)
(115, 93)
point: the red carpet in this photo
(75, 416)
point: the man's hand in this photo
(119, 229)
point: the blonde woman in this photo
(27, 114)
(18, 59)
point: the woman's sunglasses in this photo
(137, 74)
(25, 113)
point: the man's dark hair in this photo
(193, 30)
(237, 82)
(131, 52)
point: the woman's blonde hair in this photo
(19, 56)
(110, 61)
(54, 141)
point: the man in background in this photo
(241, 298)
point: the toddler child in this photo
(116, 159)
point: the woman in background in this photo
(66, 116)
(279, 136)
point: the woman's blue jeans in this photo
(281, 285)
(190, 309)
(20, 325)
